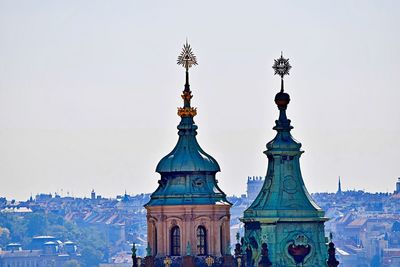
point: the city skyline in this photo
(88, 92)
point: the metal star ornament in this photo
(187, 58)
(281, 66)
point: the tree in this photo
(4, 236)
(91, 257)
(17, 227)
(37, 224)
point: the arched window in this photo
(201, 241)
(175, 241)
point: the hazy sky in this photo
(89, 91)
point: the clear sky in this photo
(89, 91)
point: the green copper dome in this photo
(187, 172)
(187, 156)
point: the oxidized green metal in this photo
(284, 216)
(187, 172)
(187, 156)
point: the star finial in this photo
(187, 58)
(281, 67)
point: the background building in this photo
(397, 191)
(254, 185)
(44, 251)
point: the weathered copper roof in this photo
(187, 156)
(284, 195)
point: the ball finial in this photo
(281, 67)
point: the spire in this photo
(283, 173)
(339, 191)
(187, 59)
(187, 172)
(187, 154)
(283, 208)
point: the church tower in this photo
(339, 190)
(284, 216)
(188, 214)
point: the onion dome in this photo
(187, 156)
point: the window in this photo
(221, 244)
(201, 241)
(155, 240)
(175, 241)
